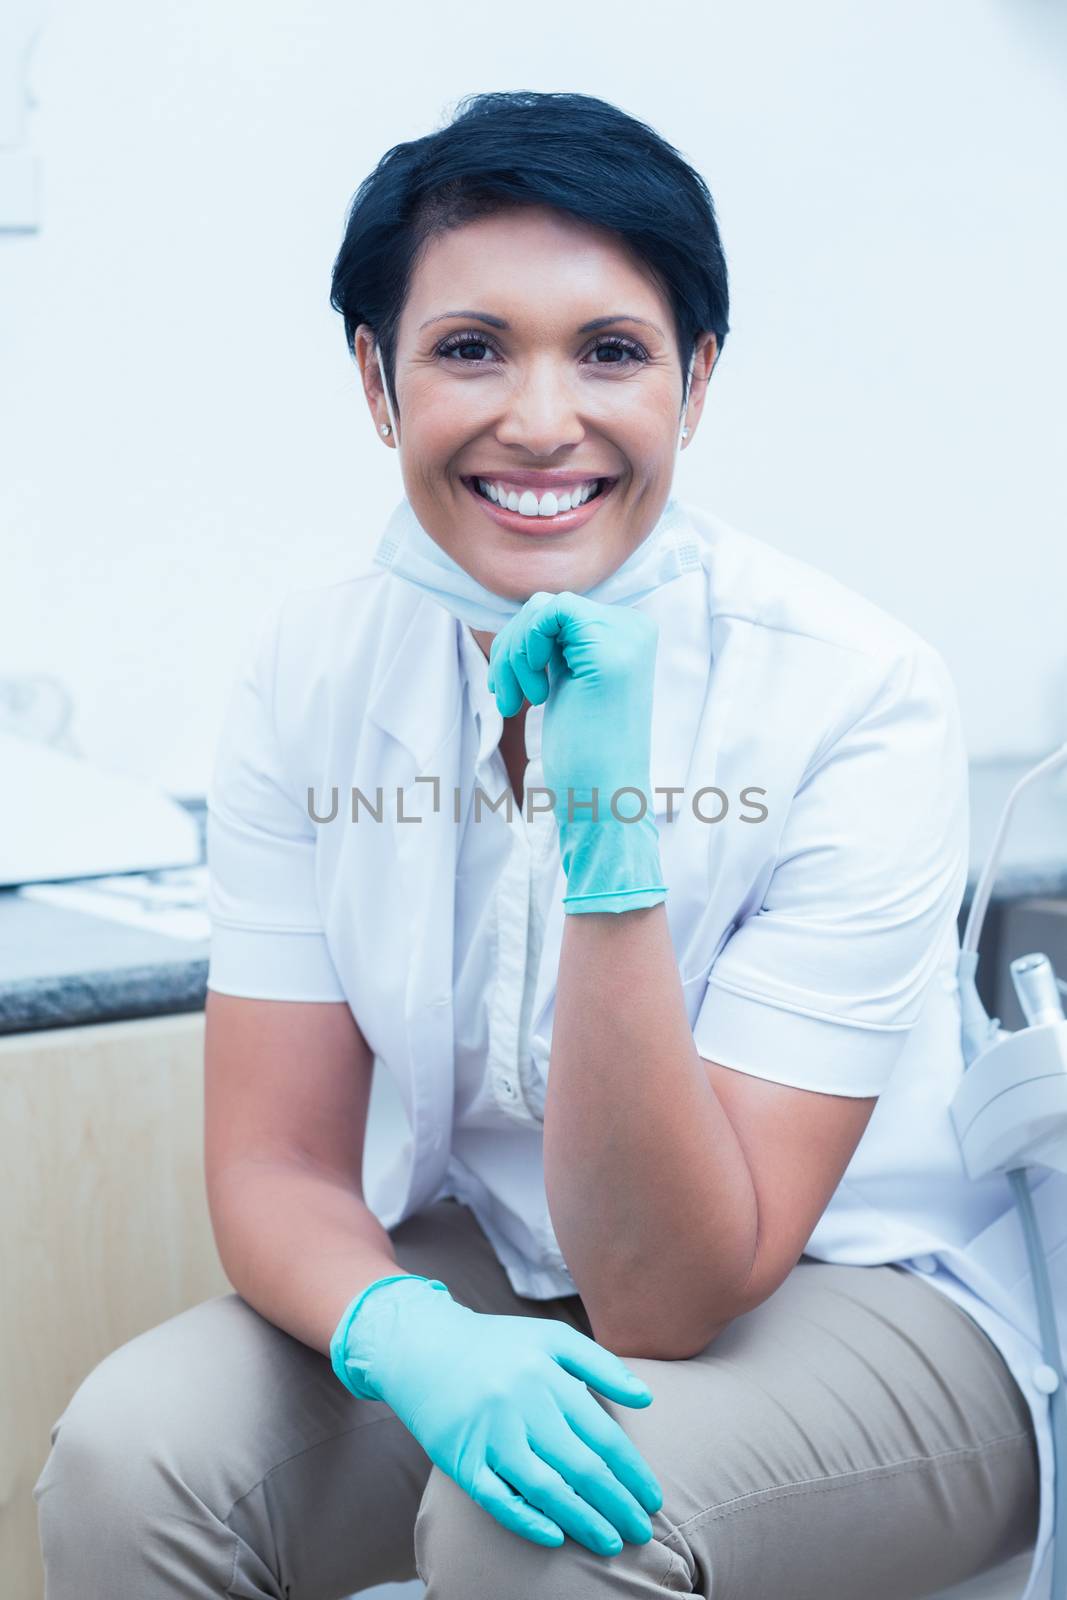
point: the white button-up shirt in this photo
(816, 944)
(508, 873)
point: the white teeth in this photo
(528, 504)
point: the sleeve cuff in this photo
(752, 1034)
(264, 964)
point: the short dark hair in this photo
(571, 151)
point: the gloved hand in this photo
(594, 665)
(499, 1403)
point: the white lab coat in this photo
(815, 947)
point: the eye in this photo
(627, 347)
(466, 340)
(470, 339)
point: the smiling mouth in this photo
(528, 503)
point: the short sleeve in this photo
(267, 939)
(821, 986)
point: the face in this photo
(500, 382)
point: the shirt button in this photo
(1046, 1378)
(925, 1263)
(507, 1088)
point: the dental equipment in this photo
(1010, 1111)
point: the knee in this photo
(104, 1448)
(129, 1444)
(90, 1494)
(467, 1553)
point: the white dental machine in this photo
(1010, 1112)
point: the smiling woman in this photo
(678, 1094)
(582, 320)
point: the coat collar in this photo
(417, 693)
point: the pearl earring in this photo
(384, 428)
(685, 433)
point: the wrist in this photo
(611, 865)
(362, 1330)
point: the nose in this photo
(540, 414)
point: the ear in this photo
(364, 345)
(707, 353)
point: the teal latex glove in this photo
(594, 665)
(500, 1403)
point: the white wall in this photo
(182, 433)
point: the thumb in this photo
(601, 1369)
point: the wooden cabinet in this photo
(105, 1227)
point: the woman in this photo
(635, 1309)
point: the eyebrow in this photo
(586, 327)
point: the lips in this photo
(536, 525)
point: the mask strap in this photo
(688, 381)
(385, 391)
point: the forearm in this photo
(648, 1188)
(297, 1244)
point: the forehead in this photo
(530, 264)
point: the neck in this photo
(483, 640)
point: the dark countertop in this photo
(60, 968)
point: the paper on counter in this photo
(63, 818)
(171, 903)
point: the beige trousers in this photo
(857, 1435)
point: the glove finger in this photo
(520, 652)
(600, 1368)
(512, 1511)
(505, 685)
(571, 626)
(540, 644)
(498, 652)
(603, 1434)
(587, 1472)
(532, 679)
(542, 1486)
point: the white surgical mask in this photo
(407, 551)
